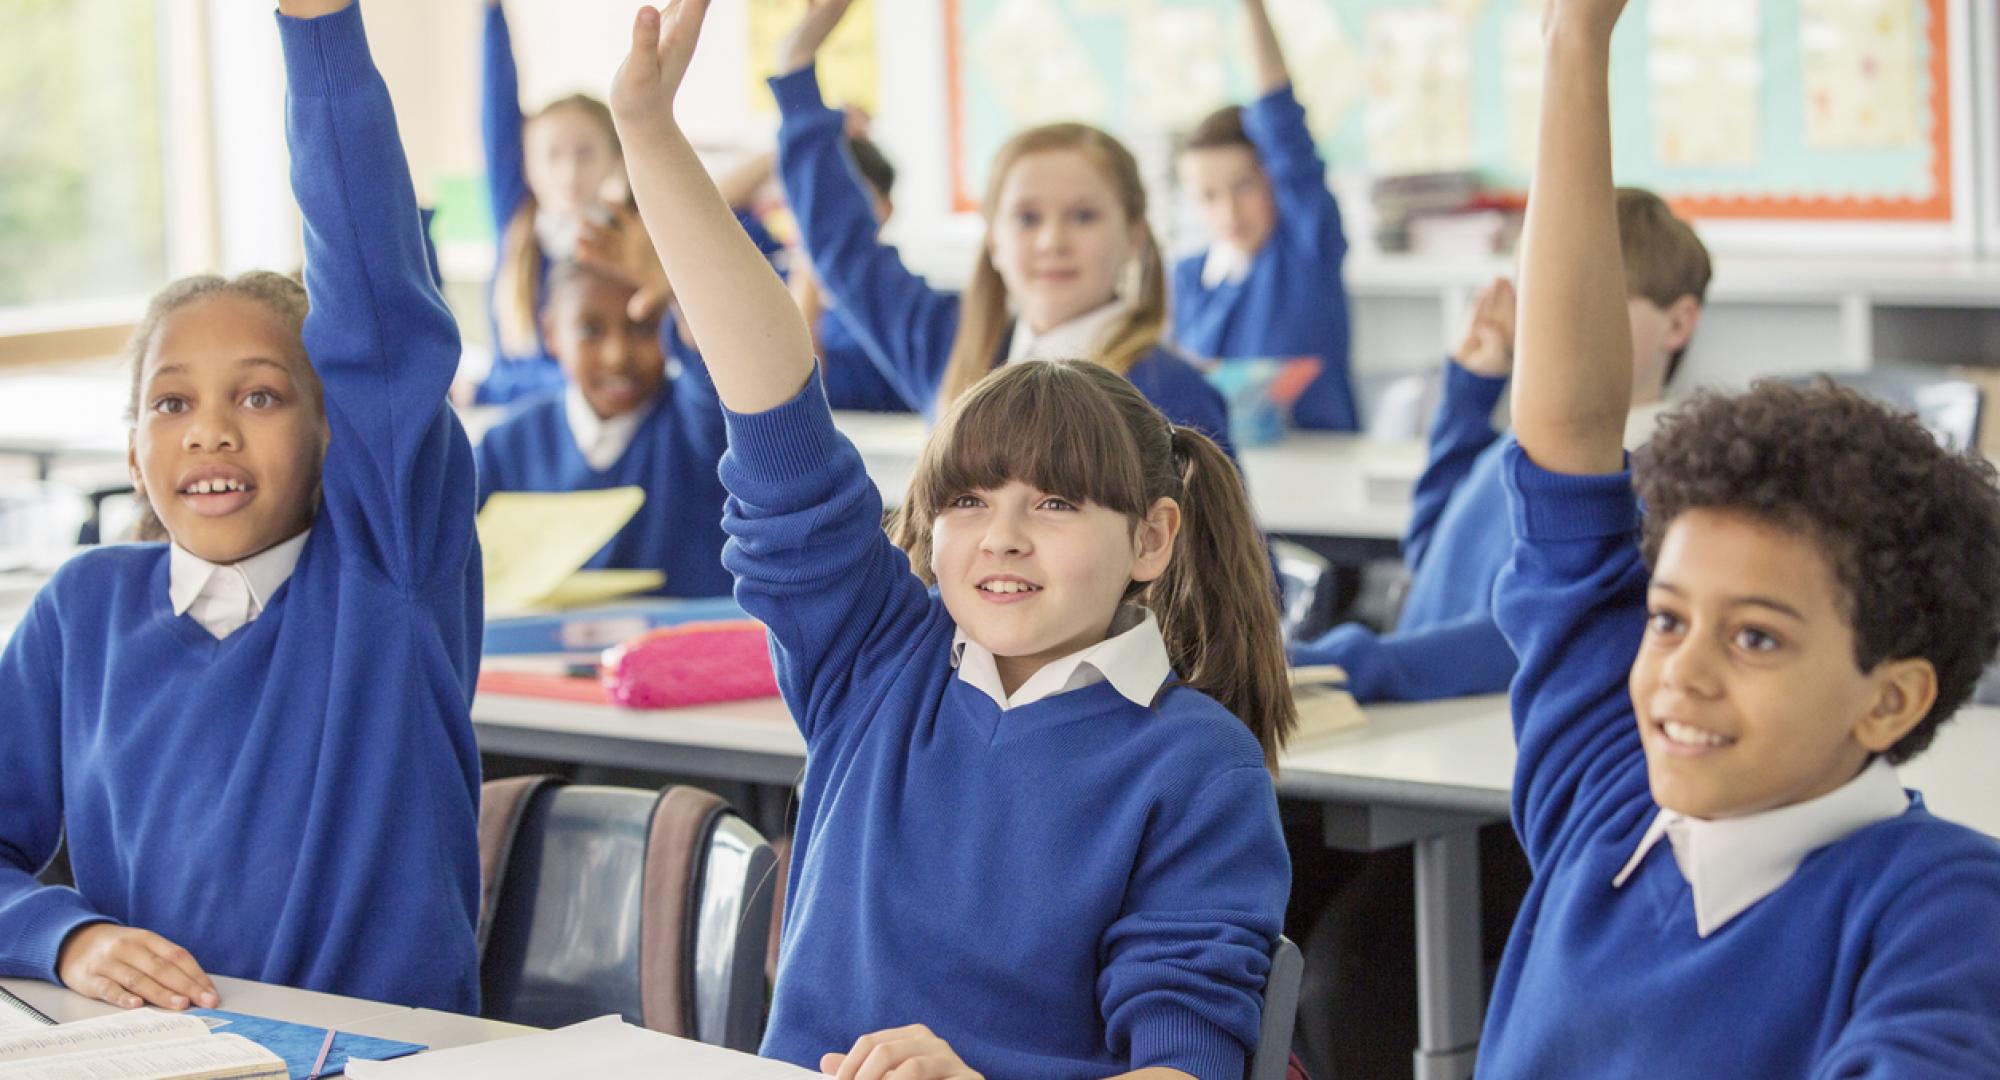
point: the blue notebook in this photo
(299, 1044)
(593, 628)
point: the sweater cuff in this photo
(1178, 1038)
(327, 56)
(798, 91)
(1469, 391)
(1554, 506)
(51, 916)
(792, 440)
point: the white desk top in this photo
(436, 1030)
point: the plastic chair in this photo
(1305, 590)
(1950, 409)
(652, 905)
(1281, 1013)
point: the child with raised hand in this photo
(1025, 846)
(1269, 284)
(551, 179)
(255, 739)
(1068, 269)
(1713, 693)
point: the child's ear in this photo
(132, 464)
(1154, 539)
(1683, 316)
(1905, 690)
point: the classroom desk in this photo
(436, 1030)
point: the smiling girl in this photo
(254, 738)
(1037, 832)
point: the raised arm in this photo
(1474, 378)
(500, 121)
(398, 476)
(1267, 55)
(1572, 384)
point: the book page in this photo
(204, 1057)
(606, 1048)
(118, 1029)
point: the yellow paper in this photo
(533, 541)
(598, 586)
(846, 63)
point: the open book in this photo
(139, 1045)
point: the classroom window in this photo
(82, 174)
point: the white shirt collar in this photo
(602, 442)
(1133, 659)
(223, 597)
(1731, 863)
(1077, 339)
(1640, 423)
(1224, 265)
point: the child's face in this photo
(570, 162)
(1657, 333)
(1060, 238)
(1746, 689)
(615, 362)
(228, 443)
(1233, 194)
(1034, 577)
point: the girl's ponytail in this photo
(1217, 602)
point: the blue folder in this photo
(299, 1044)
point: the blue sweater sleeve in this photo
(906, 326)
(500, 123)
(1452, 659)
(1307, 210)
(1461, 430)
(398, 481)
(1186, 960)
(810, 558)
(1573, 605)
(34, 918)
(1929, 1002)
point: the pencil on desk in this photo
(320, 1061)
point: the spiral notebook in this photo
(18, 1015)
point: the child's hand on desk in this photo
(911, 1053)
(1488, 347)
(129, 968)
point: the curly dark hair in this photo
(1912, 529)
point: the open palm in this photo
(663, 43)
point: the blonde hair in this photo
(517, 288)
(282, 296)
(983, 317)
(1076, 429)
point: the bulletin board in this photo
(1810, 111)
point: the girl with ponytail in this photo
(1037, 833)
(1068, 269)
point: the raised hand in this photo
(797, 49)
(128, 967)
(663, 41)
(617, 245)
(1488, 346)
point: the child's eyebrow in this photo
(1778, 606)
(248, 361)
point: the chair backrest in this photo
(1281, 1012)
(1950, 409)
(1305, 589)
(605, 899)
(1399, 404)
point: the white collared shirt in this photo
(1224, 265)
(602, 442)
(1133, 659)
(224, 597)
(1641, 421)
(1078, 339)
(1731, 863)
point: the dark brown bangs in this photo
(1050, 425)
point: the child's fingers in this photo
(112, 992)
(645, 32)
(197, 985)
(830, 1063)
(142, 984)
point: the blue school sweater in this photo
(1879, 958)
(1075, 887)
(672, 457)
(906, 326)
(514, 376)
(1292, 301)
(298, 802)
(852, 380)
(1445, 643)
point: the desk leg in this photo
(1450, 970)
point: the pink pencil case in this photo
(690, 664)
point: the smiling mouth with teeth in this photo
(214, 487)
(1007, 587)
(1689, 735)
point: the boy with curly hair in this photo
(1729, 880)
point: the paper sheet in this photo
(1419, 91)
(1707, 75)
(532, 542)
(606, 1048)
(1859, 68)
